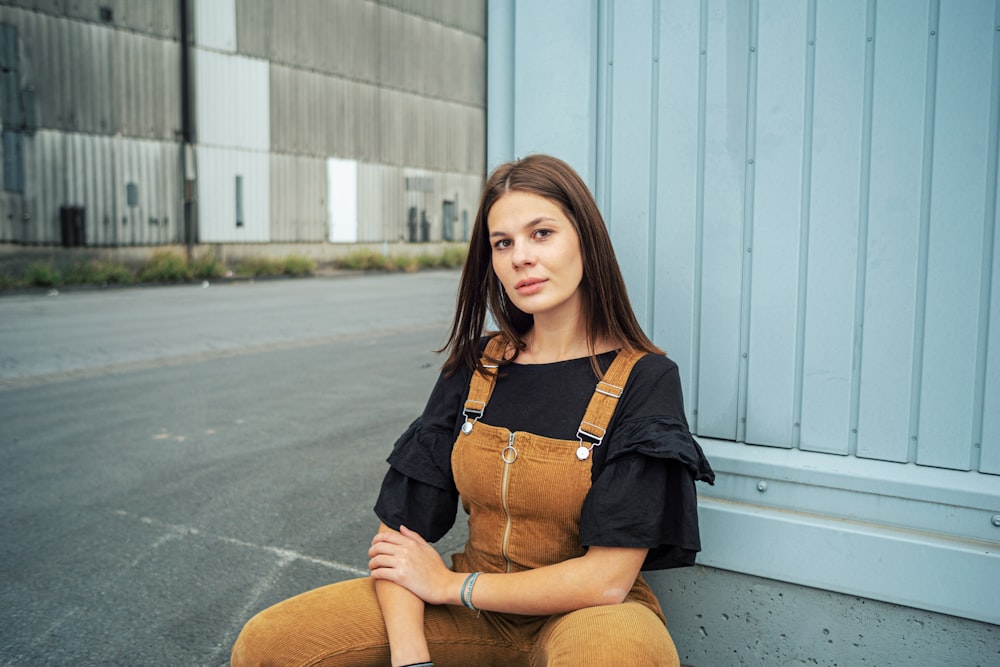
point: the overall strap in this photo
(604, 401)
(481, 385)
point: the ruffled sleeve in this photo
(418, 490)
(644, 494)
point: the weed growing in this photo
(166, 266)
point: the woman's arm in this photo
(604, 575)
(403, 613)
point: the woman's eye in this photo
(543, 233)
(501, 244)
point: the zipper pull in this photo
(509, 454)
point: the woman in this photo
(564, 437)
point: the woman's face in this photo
(536, 254)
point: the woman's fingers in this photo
(413, 535)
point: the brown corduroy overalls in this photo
(523, 494)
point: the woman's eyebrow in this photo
(532, 223)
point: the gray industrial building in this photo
(147, 122)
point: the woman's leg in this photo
(621, 634)
(341, 625)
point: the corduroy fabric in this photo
(523, 493)
(341, 626)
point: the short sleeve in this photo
(644, 494)
(419, 490)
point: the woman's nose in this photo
(522, 255)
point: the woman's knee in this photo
(623, 634)
(312, 628)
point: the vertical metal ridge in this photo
(805, 211)
(927, 174)
(699, 215)
(864, 202)
(654, 131)
(605, 86)
(986, 266)
(748, 209)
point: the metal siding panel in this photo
(467, 15)
(990, 455)
(215, 24)
(90, 107)
(298, 199)
(629, 209)
(80, 73)
(232, 105)
(555, 83)
(500, 76)
(153, 167)
(679, 214)
(726, 109)
(217, 171)
(372, 178)
(833, 227)
(892, 253)
(989, 441)
(152, 17)
(254, 26)
(777, 168)
(44, 187)
(146, 87)
(430, 59)
(956, 232)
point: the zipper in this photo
(509, 455)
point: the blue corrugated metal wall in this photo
(802, 195)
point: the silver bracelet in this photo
(467, 585)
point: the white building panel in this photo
(232, 102)
(233, 196)
(215, 24)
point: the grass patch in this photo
(165, 266)
(453, 257)
(297, 265)
(95, 272)
(260, 267)
(9, 282)
(206, 266)
(42, 274)
(363, 260)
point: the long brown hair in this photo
(606, 309)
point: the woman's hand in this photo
(408, 560)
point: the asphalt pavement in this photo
(174, 459)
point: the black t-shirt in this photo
(642, 493)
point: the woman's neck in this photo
(550, 341)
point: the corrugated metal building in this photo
(282, 98)
(803, 196)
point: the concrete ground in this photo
(175, 459)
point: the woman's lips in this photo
(529, 286)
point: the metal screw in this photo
(762, 487)
(753, 49)
(996, 520)
(933, 32)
